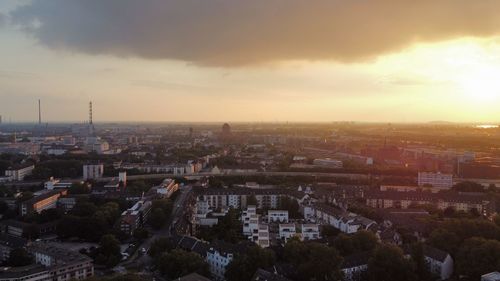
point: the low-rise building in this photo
(18, 173)
(328, 163)
(9, 243)
(93, 171)
(62, 264)
(438, 180)
(287, 231)
(440, 263)
(353, 266)
(33, 272)
(310, 232)
(280, 216)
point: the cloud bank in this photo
(243, 32)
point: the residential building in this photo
(218, 258)
(250, 220)
(443, 181)
(440, 263)
(280, 216)
(403, 200)
(32, 272)
(287, 231)
(44, 201)
(18, 173)
(310, 232)
(328, 163)
(93, 171)
(260, 236)
(135, 217)
(167, 188)
(354, 265)
(62, 264)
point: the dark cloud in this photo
(240, 32)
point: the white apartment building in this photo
(310, 232)
(94, 171)
(280, 216)
(438, 180)
(287, 231)
(250, 220)
(217, 261)
(19, 173)
(260, 236)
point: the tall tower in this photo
(91, 124)
(39, 113)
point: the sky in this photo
(260, 60)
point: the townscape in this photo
(337, 201)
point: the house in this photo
(440, 262)
(287, 231)
(353, 266)
(280, 216)
(310, 232)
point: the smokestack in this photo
(39, 113)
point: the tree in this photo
(157, 218)
(244, 266)
(389, 264)
(78, 188)
(418, 258)
(313, 261)
(291, 206)
(252, 200)
(19, 257)
(108, 253)
(445, 240)
(159, 246)
(468, 186)
(329, 231)
(141, 234)
(178, 263)
(478, 256)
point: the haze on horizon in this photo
(237, 60)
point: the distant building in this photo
(328, 163)
(53, 183)
(93, 171)
(9, 243)
(226, 130)
(167, 188)
(18, 173)
(444, 181)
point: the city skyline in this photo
(239, 62)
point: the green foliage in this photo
(79, 188)
(451, 233)
(138, 187)
(108, 253)
(251, 200)
(468, 186)
(160, 246)
(58, 169)
(228, 229)
(178, 263)
(291, 205)
(478, 256)
(313, 261)
(389, 264)
(88, 221)
(361, 241)
(157, 218)
(418, 258)
(329, 231)
(19, 257)
(244, 266)
(141, 234)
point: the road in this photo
(177, 212)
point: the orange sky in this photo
(380, 60)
